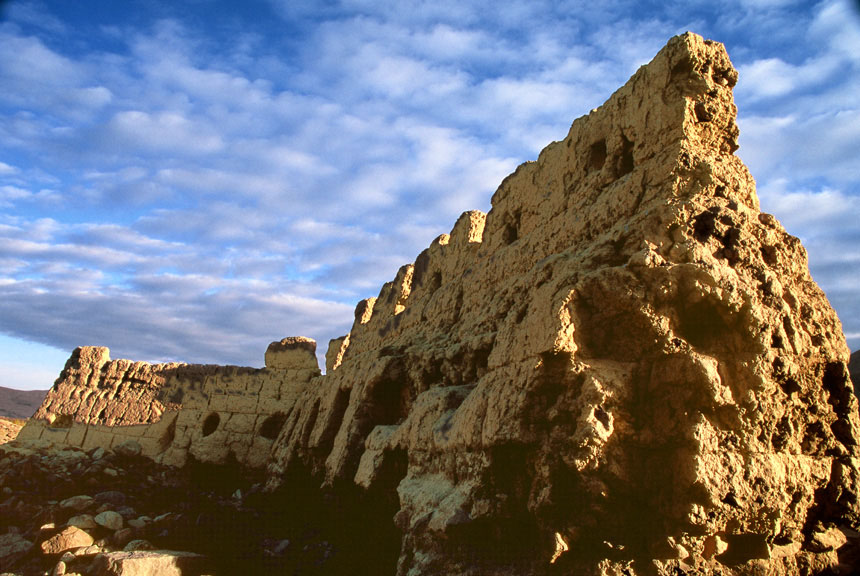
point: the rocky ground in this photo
(66, 511)
(9, 429)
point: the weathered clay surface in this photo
(173, 411)
(623, 368)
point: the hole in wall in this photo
(596, 156)
(390, 397)
(702, 114)
(392, 470)
(602, 416)
(511, 231)
(702, 325)
(625, 161)
(509, 235)
(273, 425)
(704, 225)
(769, 255)
(210, 424)
(521, 314)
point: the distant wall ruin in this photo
(213, 413)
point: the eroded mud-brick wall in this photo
(212, 413)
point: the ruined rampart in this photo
(624, 365)
(213, 413)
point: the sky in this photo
(191, 180)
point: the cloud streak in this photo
(194, 184)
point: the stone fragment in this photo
(128, 448)
(122, 537)
(79, 503)
(82, 521)
(12, 547)
(110, 520)
(714, 545)
(827, 539)
(113, 497)
(70, 538)
(149, 563)
(137, 523)
(138, 544)
(280, 547)
(68, 557)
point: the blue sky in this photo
(193, 180)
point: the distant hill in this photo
(854, 369)
(19, 403)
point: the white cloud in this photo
(810, 212)
(837, 24)
(170, 193)
(164, 132)
(800, 146)
(28, 62)
(9, 193)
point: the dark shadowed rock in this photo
(854, 370)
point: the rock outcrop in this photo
(623, 368)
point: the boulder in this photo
(129, 448)
(82, 521)
(149, 563)
(79, 503)
(70, 538)
(12, 547)
(110, 520)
